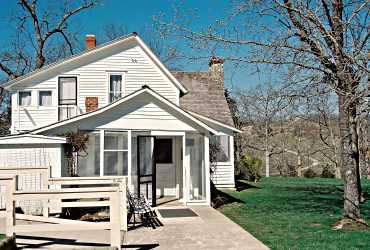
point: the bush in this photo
(327, 172)
(309, 173)
(291, 171)
(249, 168)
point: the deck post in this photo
(10, 207)
(123, 203)
(115, 220)
(45, 185)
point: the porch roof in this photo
(122, 102)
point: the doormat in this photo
(177, 212)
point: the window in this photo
(45, 98)
(219, 148)
(24, 98)
(67, 91)
(163, 151)
(115, 153)
(115, 87)
(67, 97)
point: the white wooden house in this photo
(143, 121)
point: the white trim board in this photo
(201, 117)
(31, 139)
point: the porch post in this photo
(129, 165)
(207, 169)
(185, 171)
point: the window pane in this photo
(195, 149)
(115, 163)
(45, 98)
(24, 98)
(67, 90)
(163, 151)
(219, 150)
(89, 162)
(115, 87)
(115, 140)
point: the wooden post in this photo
(10, 207)
(123, 203)
(115, 220)
(45, 185)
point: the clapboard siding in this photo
(132, 61)
(223, 175)
(28, 156)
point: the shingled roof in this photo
(206, 92)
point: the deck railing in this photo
(109, 191)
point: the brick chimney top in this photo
(216, 70)
(215, 60)
(90, 41)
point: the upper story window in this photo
(24, 98)
(67, 97)
(67, 91)
(219, 148)
(45, 98)
(115, 87)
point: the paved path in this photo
(211, 230)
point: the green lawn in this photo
(296, 213)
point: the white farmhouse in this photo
(143, 121)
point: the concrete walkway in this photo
(210, 230)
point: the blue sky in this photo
(135, 15)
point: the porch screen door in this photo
(146, 174)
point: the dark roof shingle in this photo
(205, 97)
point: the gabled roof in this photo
(205, 97)
(122, 101)
(88, 53)
(31, 139)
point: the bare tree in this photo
(169, 55)
(42, 35)
(261, 110)
(311, 40)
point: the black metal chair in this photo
(139, 206)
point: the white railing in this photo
(112, 196)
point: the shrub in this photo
(291, 171)
(249, 168)
(327, 172)
(309, 173)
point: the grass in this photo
(297, 213)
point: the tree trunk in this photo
(267, 162)
(299, 159)
(349, 158)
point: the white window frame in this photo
(19, 99)
(123, 83)
(102, 149)
(38, 97)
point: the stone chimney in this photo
(91, 103)
(90, 41)
(216, 70)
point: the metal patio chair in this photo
(139, 206)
